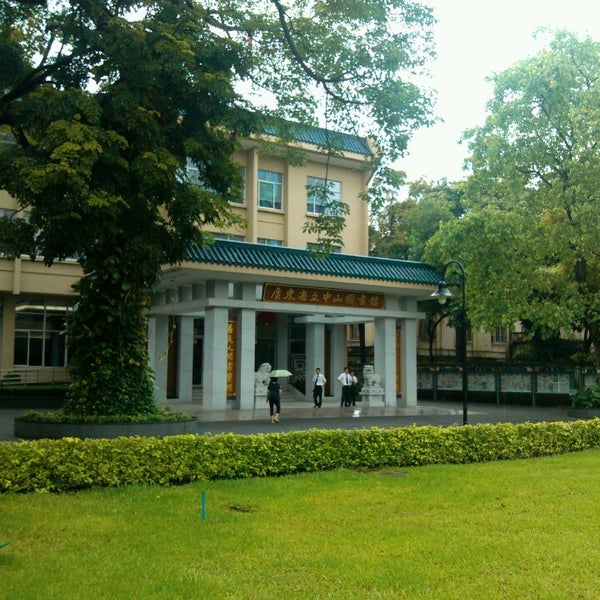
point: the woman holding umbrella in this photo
(274, 399)
(274, 393)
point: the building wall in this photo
(286, 224)
(480, 344)
(24, 280)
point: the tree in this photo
(401, 229)
(387, 232)
(106, 100)
(529, 238)
(434, 204)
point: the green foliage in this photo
(108, 339)
(70, 463)
(16, 237)
(402, 229)
(587, 397)
(41, 389)
(551, 351)
(528, 238)
(105, 101)
(160, 414)
(387, 232)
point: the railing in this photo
(33, 375)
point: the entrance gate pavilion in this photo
(211, 306)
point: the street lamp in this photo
(442, 293)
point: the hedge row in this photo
(58, 390)
(71, 463)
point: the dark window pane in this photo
(21, 344)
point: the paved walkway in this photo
(300, 415)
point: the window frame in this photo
(269, 241)
(43, 345)
(275, 202)
(500, 335)
(335, 191)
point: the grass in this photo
(514, 529)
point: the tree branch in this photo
(324, 81)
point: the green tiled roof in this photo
(259, 256)
(318, 136)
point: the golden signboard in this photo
(294, 294)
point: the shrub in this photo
(34, 390)
(587, 397)
(160, 414)
(72, 463)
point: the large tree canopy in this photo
(530, 238)
(105, 100)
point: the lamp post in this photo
(442, 293)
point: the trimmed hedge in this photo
(38, 396)
(72, 463)
(34, 389)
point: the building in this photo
(481, 345)
(258, 296)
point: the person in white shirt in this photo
(319, 382)
(346, 380)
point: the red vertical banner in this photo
(231, 357)
(398, 361)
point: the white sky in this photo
(476, 38)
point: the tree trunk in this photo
(107, 337)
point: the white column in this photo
(214, 389)
(385, 357)
(338, 359)
(408, 355)
(315, 353)
(185, 358)
(158, 352)
(246, 344)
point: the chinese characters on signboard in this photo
(304, 295)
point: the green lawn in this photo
(515, 529)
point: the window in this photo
(316, 247)
(321, 193)
(499, 336)
(229, 236)
(270, 189)
(193, 172)
(353, 333)
(269, 242)
(40, 339)
(11, 213)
